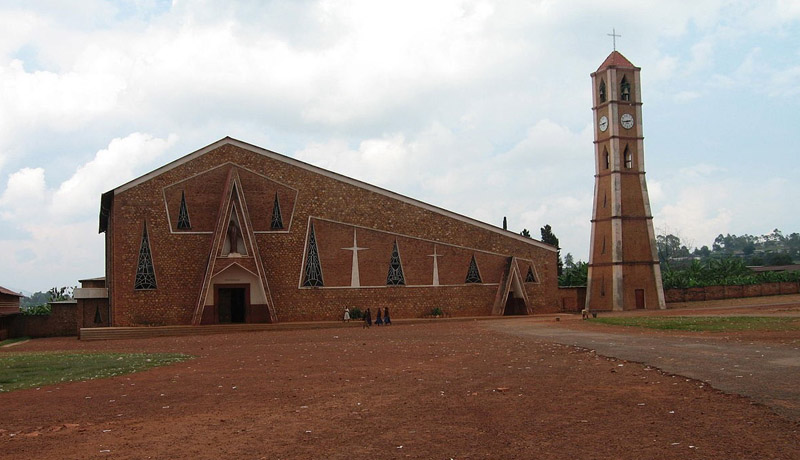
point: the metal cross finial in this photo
(614, 36)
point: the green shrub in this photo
(356, 313)
(436, 311)
(720, 272)
(37, 310)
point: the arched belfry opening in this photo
(625, 89)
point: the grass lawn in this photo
(707, 323)
(14, 340)
(27, 370)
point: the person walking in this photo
(367, 318)
(346, 318)
(386, 320)
(378, 320)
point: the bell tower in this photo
(624, 273)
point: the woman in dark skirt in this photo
(367, 318)
(378, 320)
(386, 320)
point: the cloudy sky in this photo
(481, 107)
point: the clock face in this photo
(626, 120)
(603, 123)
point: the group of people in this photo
(380, 318)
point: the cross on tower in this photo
(614, 36)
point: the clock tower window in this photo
(625, 89)
(628, 158)
(608, 160)
(602, 91)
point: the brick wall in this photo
(572, 298)
(338, 207)
(62, 321)
(730, 292)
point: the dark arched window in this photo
(602, 91)
(608, 160)
(625, 90)
(628, 158)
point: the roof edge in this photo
(227, 140)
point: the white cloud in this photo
(111, 167)
(25, 194)
(55, 229)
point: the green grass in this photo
(707, 323)
(14, 340)
(28, 370)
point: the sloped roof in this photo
(108, 197)
(9, 292)
(616, 59)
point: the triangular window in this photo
(530, 278)
(183, 215)
(473, 275)
(602, 91)
(145, 274)
(395, 276)
(313, 273)
(97, 318)
(625, 90)
(277, 220)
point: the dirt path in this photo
(429, 391)
(766, 372)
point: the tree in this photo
(58, 294)
(670, 249)
(35, 299)
(575, 275)
(525, 233)
(505, 223)
(569, 261)
(550, 238)
(55, 294)
(703, 252)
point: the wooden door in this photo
(640, 298)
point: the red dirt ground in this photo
(435, 391)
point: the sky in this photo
(479, 107)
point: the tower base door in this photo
(639, 298)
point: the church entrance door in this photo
(514, 306)
(231, 305)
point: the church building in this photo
(236, 233)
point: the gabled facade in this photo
(236, 233)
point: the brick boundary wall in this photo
(62, 321)
(571, 298)
(730, 292)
